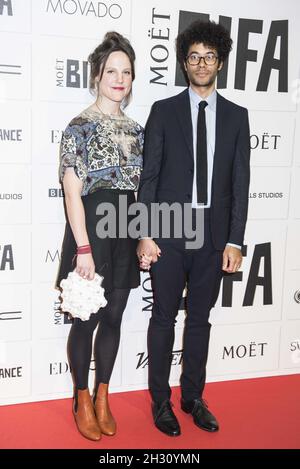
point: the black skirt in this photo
(114, 256)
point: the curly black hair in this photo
(112, 42)
(208, 33)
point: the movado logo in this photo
(71, 73)
(50, 257)
(85, 8)
(274, 54)
(6, 7)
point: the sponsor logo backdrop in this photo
(44, 83)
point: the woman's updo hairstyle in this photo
(112, 42)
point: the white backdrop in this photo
(43, 84)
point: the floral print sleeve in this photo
(106, 152)
(73, 151)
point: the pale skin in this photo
(202, 79)
(114, 85)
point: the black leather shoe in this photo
(165, 419)
(203, 418)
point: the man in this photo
(197, 151)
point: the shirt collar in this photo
(211, 99)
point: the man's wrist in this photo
(234, 245)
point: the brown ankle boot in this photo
(105, 419)
(85, 416)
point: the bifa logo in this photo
(6, 257)
(255, 280)
(72, 73)
(274, 53)
(6, 7)
(259, 277)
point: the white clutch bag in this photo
(82, 297)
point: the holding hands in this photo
(147, 252)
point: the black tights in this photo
(106, 343)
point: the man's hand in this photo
(232, 259)
(147, 252)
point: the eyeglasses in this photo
(195, 59)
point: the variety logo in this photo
(143, 359)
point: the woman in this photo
(101, 159)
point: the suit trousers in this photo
(201, 271)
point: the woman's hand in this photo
(85, 266)
(145, 262)
(148, 253)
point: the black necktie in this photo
(201, 166)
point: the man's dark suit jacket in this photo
(169, 164)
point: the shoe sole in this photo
(168, 434)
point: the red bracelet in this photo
(86, 249)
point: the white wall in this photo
(38, 40)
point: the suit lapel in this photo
(220, 121)
(183, 112)
(220, 135)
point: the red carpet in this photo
(256, 413)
